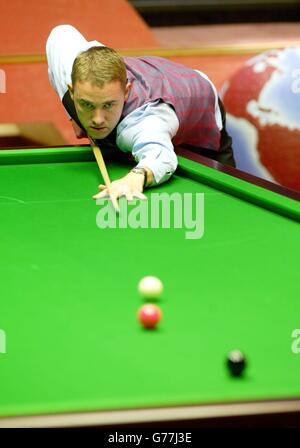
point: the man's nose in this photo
(98, 117)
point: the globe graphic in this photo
(262, 100)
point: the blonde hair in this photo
(99, 65)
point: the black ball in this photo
(236, 362)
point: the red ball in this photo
(149, 315)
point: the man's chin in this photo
(98, 135)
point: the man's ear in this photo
(71, 90)
(127, 88)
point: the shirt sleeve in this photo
(63, 45)
(147, 132)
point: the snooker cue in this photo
(99, 158)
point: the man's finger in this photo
(102, 194)
(140, 196)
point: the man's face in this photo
(99, 109)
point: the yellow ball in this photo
(150, 287)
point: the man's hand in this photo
(78, 131)
(130, 186)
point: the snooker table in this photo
(73, 352)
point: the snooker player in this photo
(143, 105)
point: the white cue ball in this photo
(150, 287)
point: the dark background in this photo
(195, 12)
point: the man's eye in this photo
(87, 106)
(107, 106)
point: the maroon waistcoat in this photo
(191, 96)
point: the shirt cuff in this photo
(162, 171)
